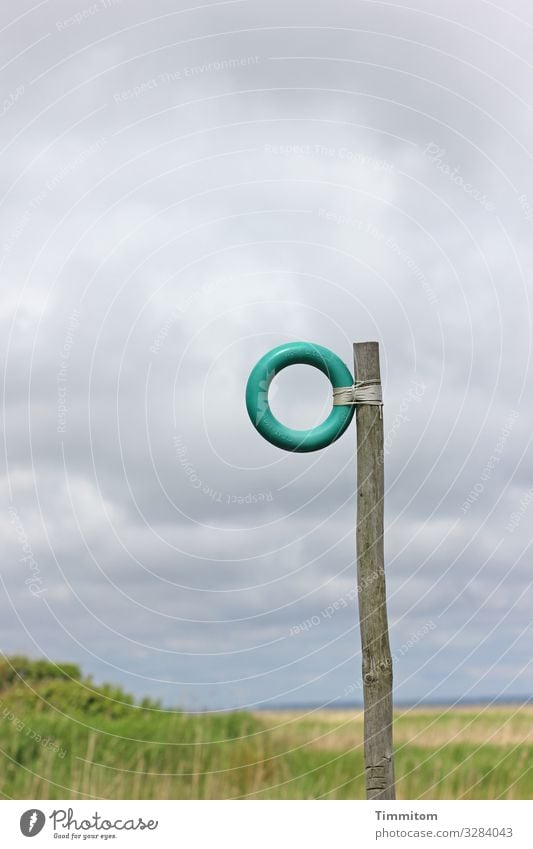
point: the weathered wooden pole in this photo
(377, 660)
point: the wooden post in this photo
(377, 660)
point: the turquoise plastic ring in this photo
(261, 416)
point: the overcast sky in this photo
(185, 188)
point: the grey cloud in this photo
(198, 187)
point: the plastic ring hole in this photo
(300, 397)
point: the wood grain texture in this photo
(377, 660)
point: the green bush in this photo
(17, 667)
(34, 686)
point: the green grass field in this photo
(62, 737)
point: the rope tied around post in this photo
(360, 392)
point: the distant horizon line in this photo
(339, 705)
(487, 701)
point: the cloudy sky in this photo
(185, 186)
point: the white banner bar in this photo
(268, 825)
